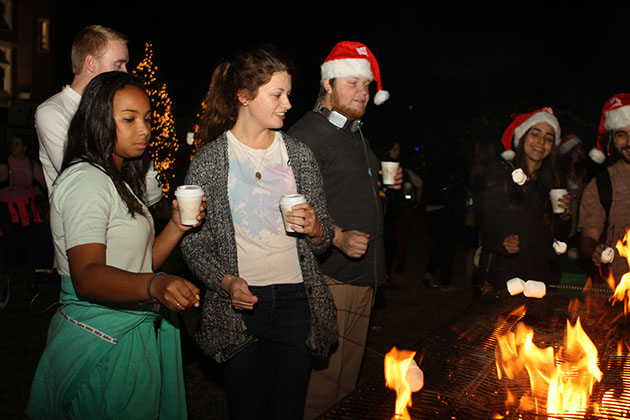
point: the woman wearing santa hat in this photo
(521, 235)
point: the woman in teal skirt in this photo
(113, 348)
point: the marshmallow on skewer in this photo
(535, 289)
(518, 176)
(608, 255)
(414, 376)
(560, 247)
(515, 286)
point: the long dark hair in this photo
(245, 72)
(92, 137)
(539, 182)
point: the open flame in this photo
(403, 376)
(622, 290)
(559, 382)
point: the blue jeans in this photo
(267, 380)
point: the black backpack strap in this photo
(604, 189)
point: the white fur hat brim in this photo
(617, 118)
(346, 67)
(534, 119)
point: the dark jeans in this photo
(267, 380)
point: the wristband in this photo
(338, 240)
(154, 299)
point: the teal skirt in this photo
(109, 363)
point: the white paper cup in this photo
(286, 202)
(389, 172)
(555, 195)
(189, 202)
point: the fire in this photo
(403, 376)
(622, 291)
(561, 381)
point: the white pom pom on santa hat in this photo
(349, 58)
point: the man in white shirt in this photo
(95, 50)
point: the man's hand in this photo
(353, 243)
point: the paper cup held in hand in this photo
(389, 172)
(608, 255)
(189, 203)
(535, 289)
(555, 195)
(286, 202)
(414, 377)
(515, 286)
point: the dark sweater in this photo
(350, 171)
(532, 220)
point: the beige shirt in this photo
(593, 215)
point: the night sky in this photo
(443, 66)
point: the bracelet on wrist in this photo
(153, 298)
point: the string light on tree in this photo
(164, 144)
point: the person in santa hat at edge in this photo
(355, 265)
(605, 207)
(521, 235)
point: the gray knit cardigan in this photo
(210, 252)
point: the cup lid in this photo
(189, 190)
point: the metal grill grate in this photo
(459, 361)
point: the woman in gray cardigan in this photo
(267, 310)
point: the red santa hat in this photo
(349, 58)
(568, 142)
(615, 115)
(523, 122)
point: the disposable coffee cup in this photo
(286, 203)
(554, 196)
(389, 172)
(189, 202)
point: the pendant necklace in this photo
(260, 165)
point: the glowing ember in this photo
(560, 383)
(403, 376)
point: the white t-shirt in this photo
(266, 253)
(52, 120)
(85, 208)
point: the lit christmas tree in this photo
(196, 141)
(164, 144)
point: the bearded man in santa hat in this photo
(605, 207)
(355, 265)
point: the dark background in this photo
(452, 71)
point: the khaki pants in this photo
(334, 378)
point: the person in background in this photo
(113, 347)
(19, 211)
(519, 228)
(267, 311)
(444, 210)
(355, 265)
(605, 207)
(96, 49)
(574, 169)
